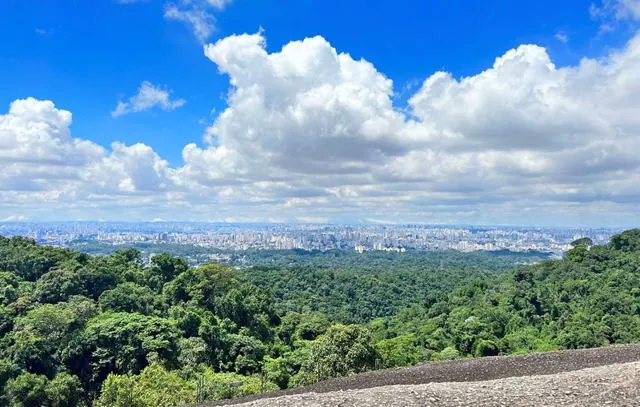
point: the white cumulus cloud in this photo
(314, 123)
(43, 166)
(135, 168)
(310, 133)
(295, 111)
(149, 96)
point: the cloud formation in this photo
(149, 96)
(219, 4)
(312, 133)
(618, 9)
(202, 22)
(197, 15)
(562, 37)
(612, 12)
(45, 168)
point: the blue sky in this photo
(93, 53)
(85, 57)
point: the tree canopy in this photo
(80, 330)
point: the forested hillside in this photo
(349, 287)
(108, 331)
(589, 299)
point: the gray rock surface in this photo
(472, 370)
(614, 385)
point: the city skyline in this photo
(322, 237)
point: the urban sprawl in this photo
(361, 238)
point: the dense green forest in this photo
(349, 287)
(77, 329)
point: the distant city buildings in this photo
(381, 248)
(391, 238)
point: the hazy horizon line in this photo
(361, 223)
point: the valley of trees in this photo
(81, 330)
(349, 287)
